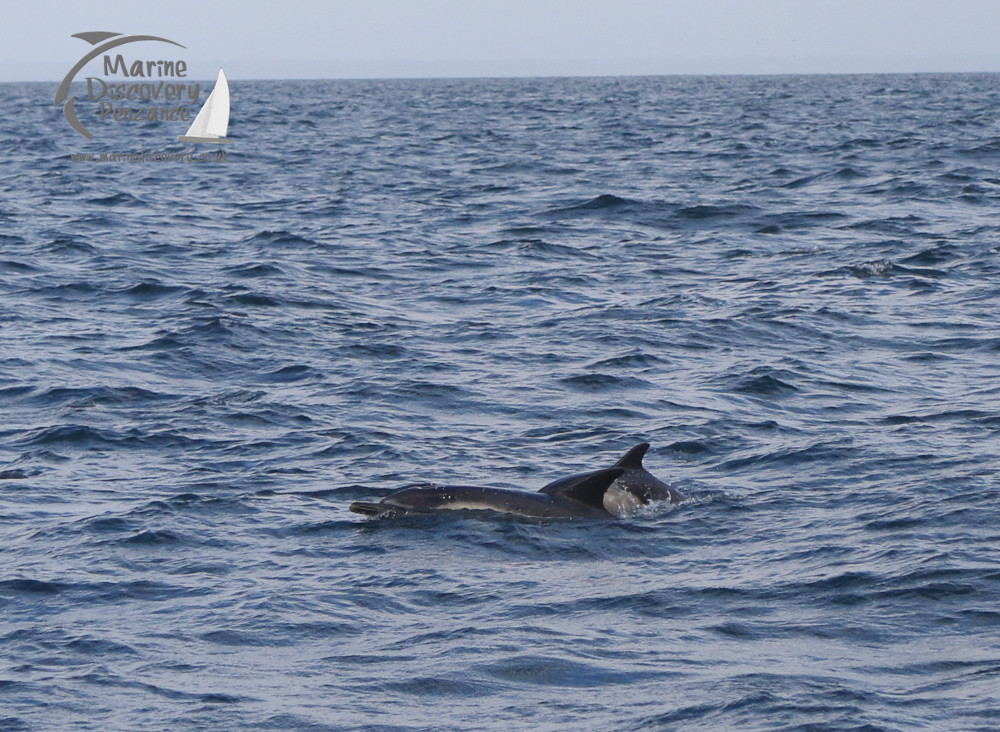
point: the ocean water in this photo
(790, 286)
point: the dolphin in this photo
(635, 486)
(579, 497)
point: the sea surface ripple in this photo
(788, 285)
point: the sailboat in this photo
(213, 120)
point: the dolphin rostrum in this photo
(580, 497)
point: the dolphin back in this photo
(635, 480)
(632, 460)
(588, 489)
(581, 498)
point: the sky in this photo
(307, 39)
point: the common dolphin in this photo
(579, 497)
(635, 487)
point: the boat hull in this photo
(217, 140)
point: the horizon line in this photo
(608, 75)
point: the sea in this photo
(788, 285)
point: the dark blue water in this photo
(789, 286)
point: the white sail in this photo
(212, 121)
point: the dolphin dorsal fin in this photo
(590, 488)
(632, 460)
